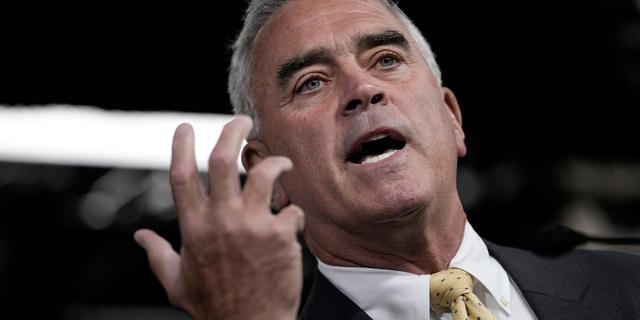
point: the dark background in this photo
(540, 83)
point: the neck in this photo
(423, 242)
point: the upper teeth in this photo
(376, 137)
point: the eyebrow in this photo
(293, 65)
(320, 54)
(387, 38)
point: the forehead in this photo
(333, 13)
(303, 25)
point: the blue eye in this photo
(312, 84)
(387, 61)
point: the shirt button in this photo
(505, 301)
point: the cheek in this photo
(416, 93)
(309, 151)
(422, 109)
(429, 120)
(302, 136)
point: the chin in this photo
(395, 206)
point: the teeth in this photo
(379, 157)
(376, 137)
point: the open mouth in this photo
(375, 148)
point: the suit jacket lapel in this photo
(552, 289)
(326, 302)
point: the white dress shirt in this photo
(391, 295)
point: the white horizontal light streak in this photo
(89, 136)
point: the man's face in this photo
(344, 93)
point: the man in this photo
(353, 127)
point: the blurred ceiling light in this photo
(89, 136)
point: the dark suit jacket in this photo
(577, 285)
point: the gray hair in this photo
(257, 14)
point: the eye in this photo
(387, 61)
(311, 84)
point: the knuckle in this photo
(295, 210)
(181, 175)
(281, 233)
(294, 215)
(219, 227)
(250, 231)
(260, 173)
(219, 159)
(226, 230)
(254, 231)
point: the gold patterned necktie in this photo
(453, 288)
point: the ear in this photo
(456, 117)
(254, 152)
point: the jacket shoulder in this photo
(596, 284)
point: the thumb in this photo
(163, 260)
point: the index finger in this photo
(224, 182)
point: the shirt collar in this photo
(473, 257)
(382, 293)
(392, 294)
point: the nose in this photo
(362, 92)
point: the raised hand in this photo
(237, 260)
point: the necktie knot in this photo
(447, 285)
(453, 288)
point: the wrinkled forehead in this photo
(301, 13)
(303, 25)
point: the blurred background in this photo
(549, 92)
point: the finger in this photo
(185, 182)
(259, 184)
(292, 216)
(224, 182)
(163, 260)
